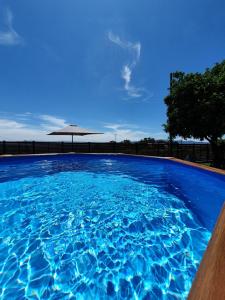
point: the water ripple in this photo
(82, 234)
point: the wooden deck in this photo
(209, 283)
(198, 165)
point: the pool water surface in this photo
(101, 227)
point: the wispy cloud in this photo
(9, 37)
(8, 124)
(29, 126)
(52, 123)
(124, 131)
(134, 50)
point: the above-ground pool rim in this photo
(172, 159)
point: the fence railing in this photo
(194, 152)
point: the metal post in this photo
(171, 79)
(114, 147)
(178, 152)
(170, 136)
(157, 148)
(200, 152)
(18, 147)
(207, 153)
(181, 150)
(33, 147)
(136, 148)
(4, 147)
(193, 152)
(72, 142)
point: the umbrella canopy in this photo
(73, 130)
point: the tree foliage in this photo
(126, 141)
(147, 140)
(196, 106)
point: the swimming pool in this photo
(103, 226)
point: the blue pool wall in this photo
(205, 190)
(202, 190)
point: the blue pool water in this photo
(103, 227)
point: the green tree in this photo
(126, 141)
(147, 140)
(196, 108)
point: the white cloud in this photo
(126, 75)
(28, 126)
(125, 132)
(15, 130)
(8, 124)
(134, 50)
(116, 126)
(131, 90)
(31, 127)
(52, 122)
(9, 37)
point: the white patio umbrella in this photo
(73, 130)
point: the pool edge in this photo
(180, 161)
(208, 283)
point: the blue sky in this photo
(101, 64)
